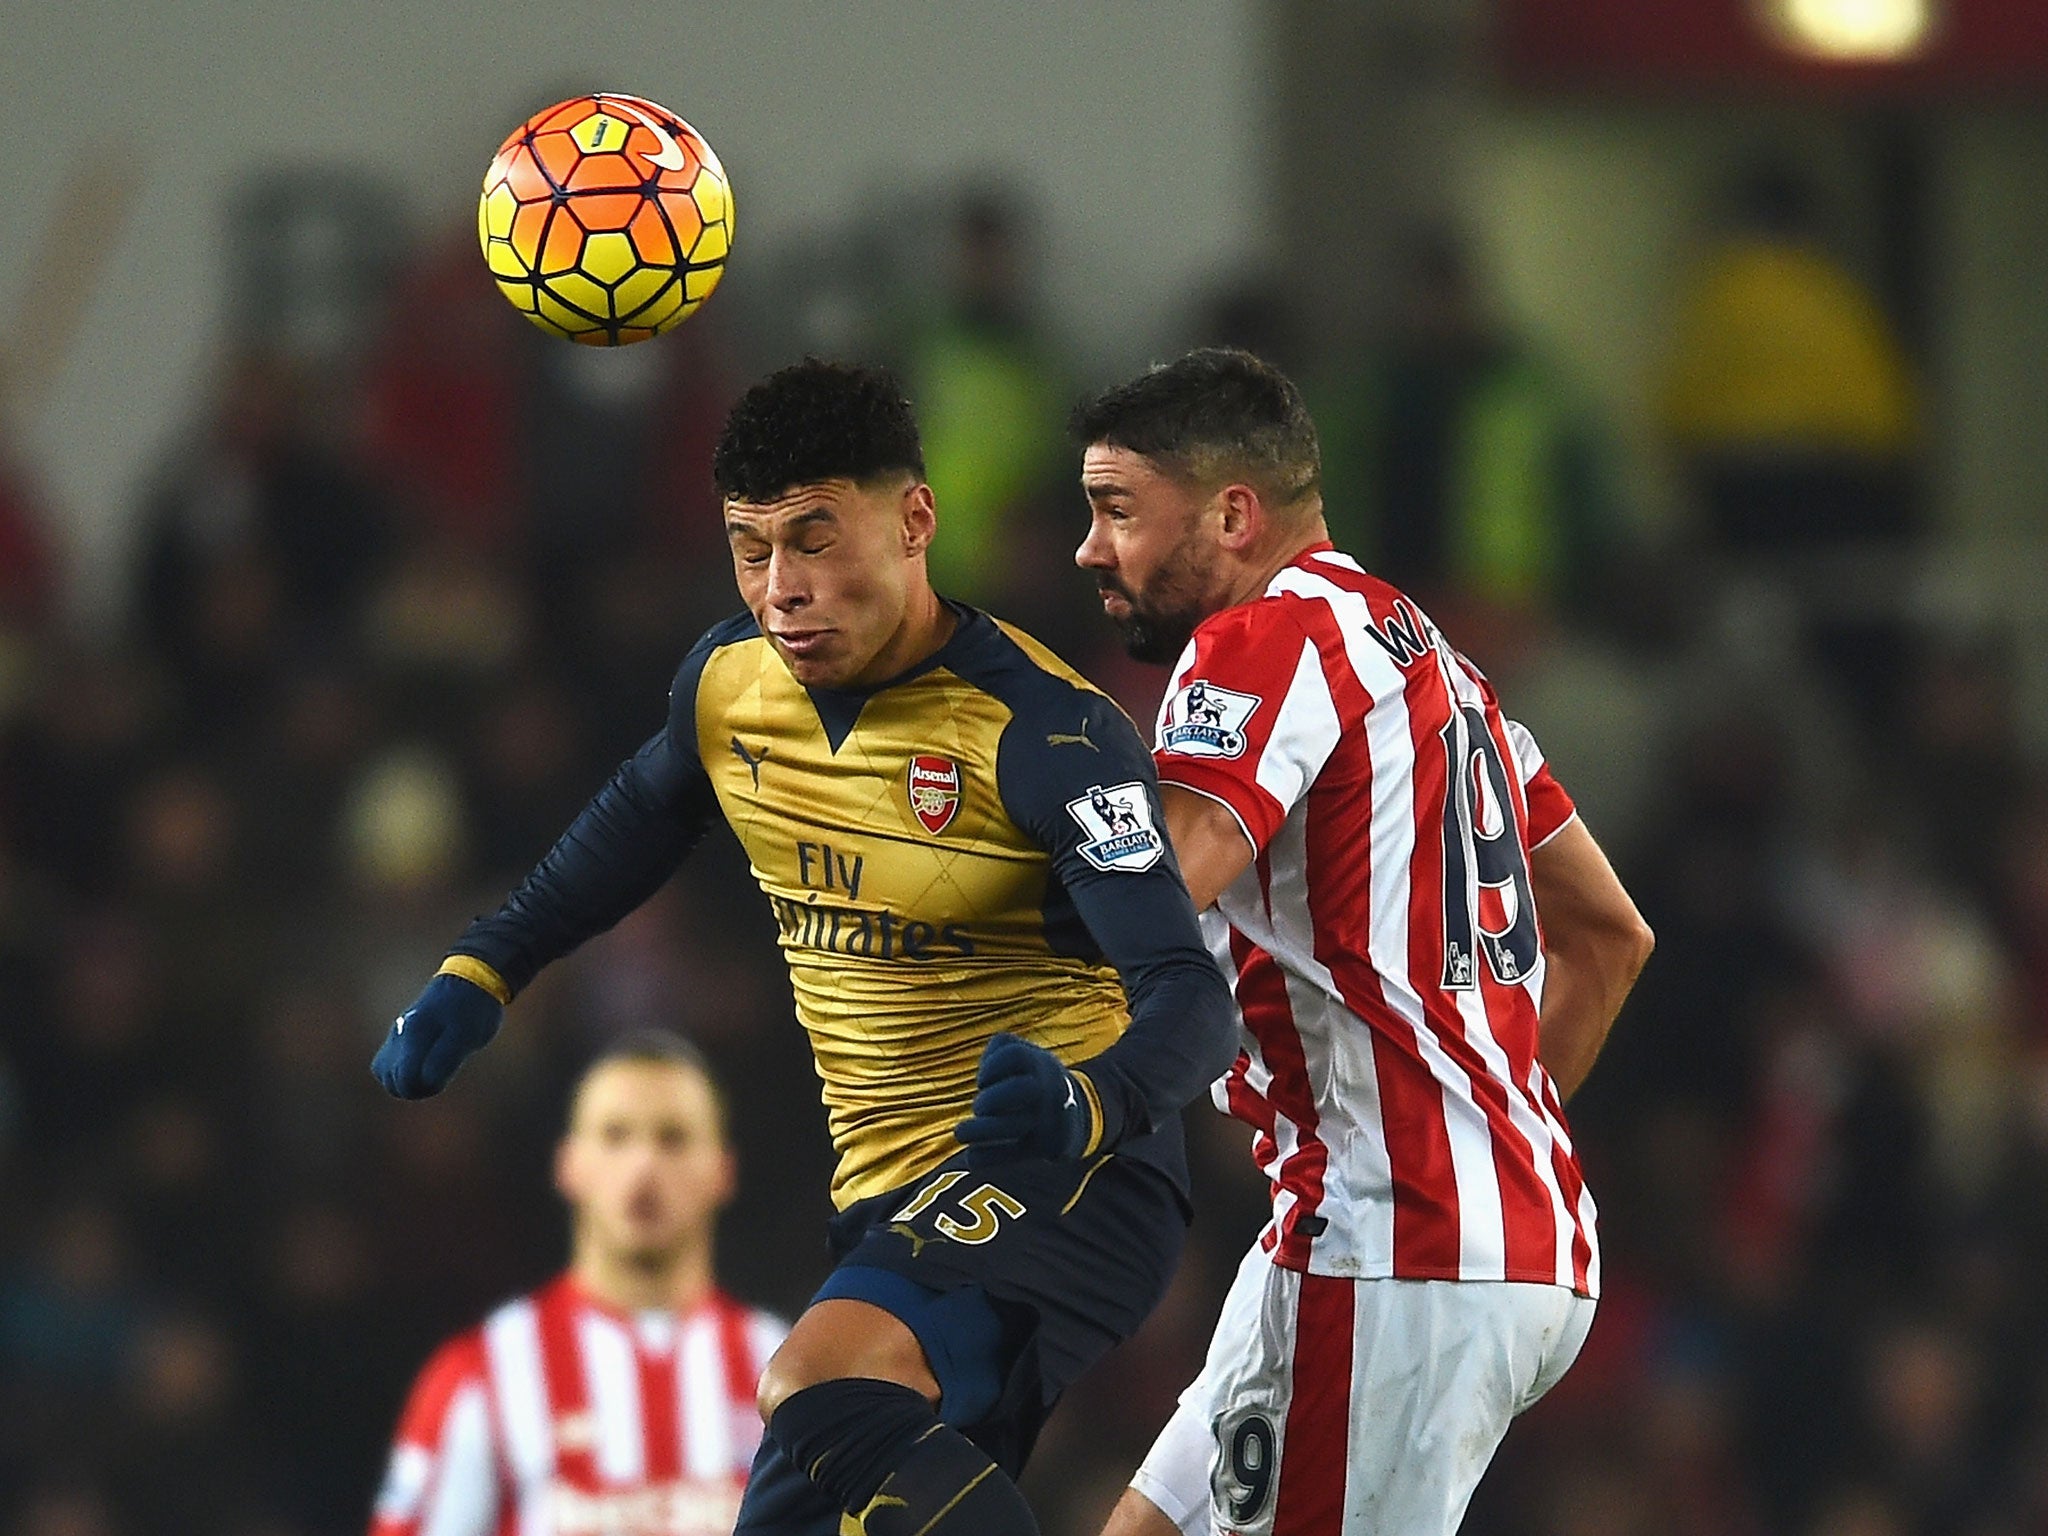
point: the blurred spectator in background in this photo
(70, 1314)
(265, 534)
(1786, 391)
(264, 537)
(28, 562)
(1959, 729)
(446, 373)
(578, 477)
(992, 395)
(1458, 462)
(1255, 315)
(620, 1395)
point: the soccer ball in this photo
(605, 219)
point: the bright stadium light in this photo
(1852, 31)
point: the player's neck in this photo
(927, 624)
(630, 1286)
(1256, 573)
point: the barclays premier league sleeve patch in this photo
(1203, 720)
(1121, 834)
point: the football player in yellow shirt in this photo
(989, 943)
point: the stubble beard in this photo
(1163, 618)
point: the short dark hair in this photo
(652, 1045)
(1215, 412)
(816, 420)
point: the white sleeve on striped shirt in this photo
(465, 1496)
(1528, 756)
(1529, 762)
(1304, 735)
(449, 1488)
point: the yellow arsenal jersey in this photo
(972, 847)
(908, 841)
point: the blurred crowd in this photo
(417, 577)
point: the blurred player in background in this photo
(1378, 843)
(620, 1395)
(989, 943)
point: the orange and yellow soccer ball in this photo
(605, 219)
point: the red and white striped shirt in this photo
(560, 1416)
(1384, 944)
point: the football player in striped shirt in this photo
(989, 943)
(620, 1395)
(1427, 949)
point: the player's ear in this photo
(567, 1183)
(1243, 517)
(920, 519)
(726, 1180)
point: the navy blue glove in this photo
(450, 1018)
(1028, 1104)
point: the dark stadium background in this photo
(328, 590)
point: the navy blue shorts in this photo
(1015, 1281)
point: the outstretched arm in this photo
(616, 854)
(626, 842)
(618, 851)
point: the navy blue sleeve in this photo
(1077, 778)
(620, 849)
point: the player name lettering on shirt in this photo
(1404, 634)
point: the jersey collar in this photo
(839, 708)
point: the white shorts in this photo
(1331, 1405)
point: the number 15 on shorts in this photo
(985, 1208)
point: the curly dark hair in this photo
(816, 420)
(1214, 412)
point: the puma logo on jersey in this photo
(917, 1239)
(883, 1501)
(1071, 739)
(739, 750)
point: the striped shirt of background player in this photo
(558, 1416)
(1407, 1125)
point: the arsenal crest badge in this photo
(934, 791)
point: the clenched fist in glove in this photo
(1028, 1103)
(454, 1016)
